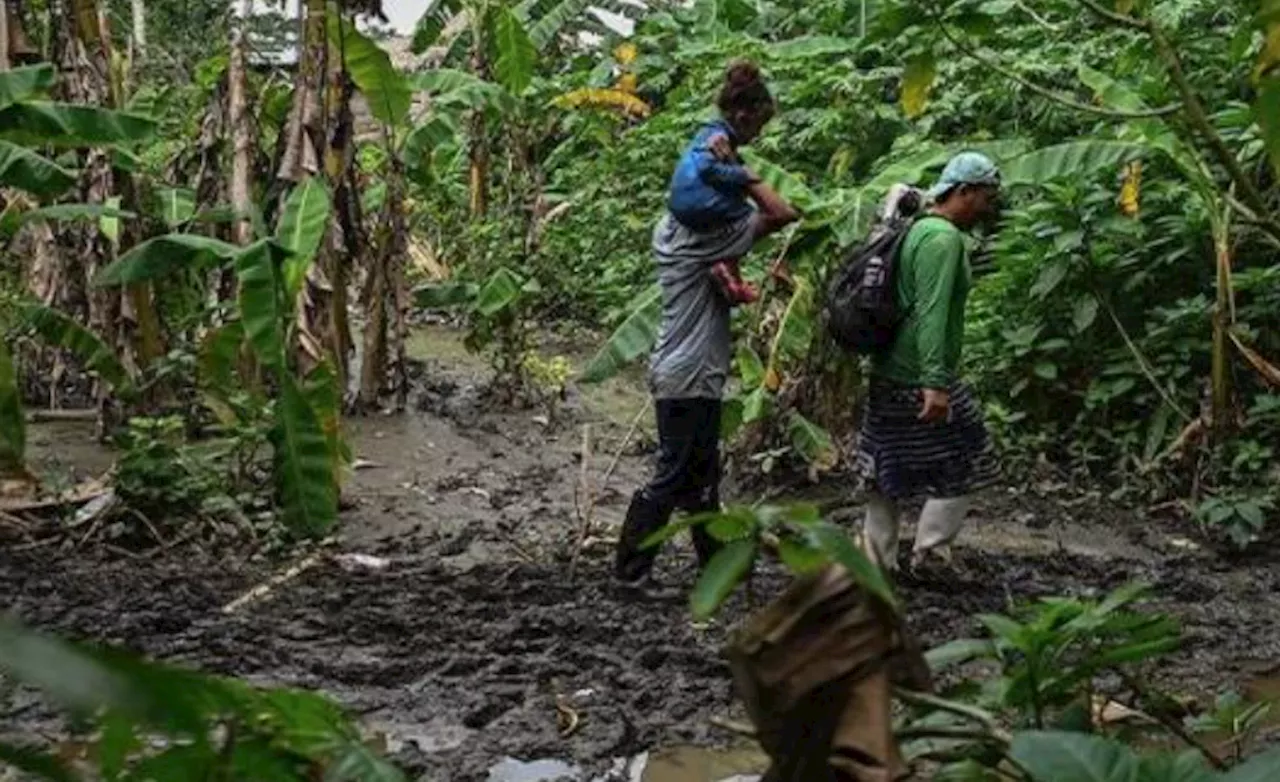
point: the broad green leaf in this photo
(1070, 159)
(500, 291)
(1188, 766)
(109, 221)
(1266, 110)
(61, 330)
(442, 295)
(756, 405)
(732, 524)
(793, 333)
(1263, 768)
(750, 367)
(1073, 757)
(263, 310)
(165, 255)
(424, 139)
(26, 82)
(426, 33)
(813, 46)
(812, 442)
(958, 652)
(304, 470)
(69, 125)
(800, 557)
(76, 212)
(13, 429)
(722, 575)
(731, 418)
(462, 88)
(917, 81)
(788, 185)
(1046, 370)
(631, 340)
(515, 55)
(1084, 313)
(324, 394)
(549, 25)
(1112, 93)
(25, 170)
(302, 229)
(86, 681)
(177, 205)
(384, 88)
(218, 355)
(837, 545)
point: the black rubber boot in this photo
(645, 516)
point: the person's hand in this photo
(937, 405)
(721, 148)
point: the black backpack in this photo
(861, 308)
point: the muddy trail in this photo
(471, 652)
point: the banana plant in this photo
(29, 120)
(307, 445)
(494, 310)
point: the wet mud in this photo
(474, 656)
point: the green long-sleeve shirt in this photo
(931, 284)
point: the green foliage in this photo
(56, 328)
(384, 87)
(161, 476)
(304, 464)
(797, 530)
(165, 255)
(13, 433)
(25, 170)
(302, 229)
(159, 722)
(633, 339)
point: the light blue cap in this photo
(966, 168)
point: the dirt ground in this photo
(455, 653)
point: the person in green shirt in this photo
(923, 433)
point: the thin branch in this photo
(1123, 20)
(1045, 92)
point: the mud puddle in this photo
(458, 651)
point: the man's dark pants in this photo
(687, 478)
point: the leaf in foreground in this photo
(840, 548)
(723, 573)
(1073, 757)
(304, 467)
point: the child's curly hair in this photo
(744, 90)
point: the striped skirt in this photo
(902, 457)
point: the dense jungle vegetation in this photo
(218, 228)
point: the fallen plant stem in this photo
(582, 496)
(973, 713)
(262, 590)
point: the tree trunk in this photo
(479, 145)
(5, 61)
(242, 133)
(386, 303)
(139, 29)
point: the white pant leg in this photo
(940, 521)
(880, 530)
